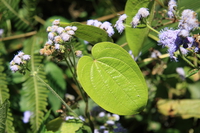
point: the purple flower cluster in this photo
(19, 61)
(170, 38)
(180, 38)
(105, 26)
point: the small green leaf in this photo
(136, 36)
(54, 124)
(89, 33)
(113, 79)
(71, 126)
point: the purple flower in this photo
(169, 38)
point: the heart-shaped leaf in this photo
(113, 79)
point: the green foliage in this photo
(179, 108)
(136, 36)
(3, 115)
(4, 95)
(12, 12)
(89, 33)
(34, 93)
(56, 80)
(113, 80)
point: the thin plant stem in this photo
(152, 29)
(186, 60)
(74, 77)
(85, 98)
(52, 90)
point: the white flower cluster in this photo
(19, 61)
(142, 13)
(59, 35)
(105, 26)
(74, 118)
(188, 20)
(171, 5)
(120, 23)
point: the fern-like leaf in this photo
(34, 93)
(4, 94)
(10, 11)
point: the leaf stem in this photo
(52, 90)
(186, 60)
(152, 29)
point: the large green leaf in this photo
(136, 36)
(89, 33)
(113, 79)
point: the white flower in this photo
(119, 26)
(69, 96)
(14, 68)
(79, 53)
(135, 20)
(122, 17)
(90, 22)
(110, 122)
(181, 72)
(116, 117)
(184, 33)
(1, 32)
(58, 39)
(51, 35)
(27, 115)
(69, 118)
(65, 37)
(57, 46)
(82, 118)
(110, 31)
(171, 5)
(49, 29)
(50, 42)
(56, 22)
(143, 12)
(188, 20)
(101, 114)
(70, 32)
(60, 30)
(17, 60)
(54, 28)
(26, 57)
(20, 54)
(68, 28)
(97, 23)
(74, 28)
(105, 25)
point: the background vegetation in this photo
(173, 104)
